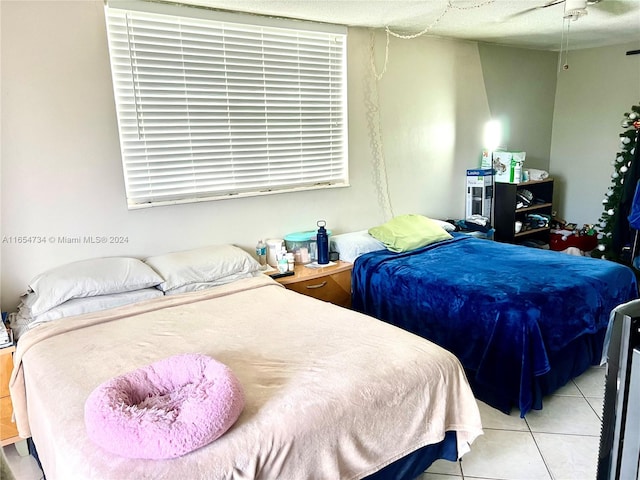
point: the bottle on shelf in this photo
(261, 253)
(322, 241)
(283, 263)
(291, 261)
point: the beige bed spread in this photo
(330, 393)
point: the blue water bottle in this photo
(323, 243)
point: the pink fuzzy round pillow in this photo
(165, 409)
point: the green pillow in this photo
(408, 232)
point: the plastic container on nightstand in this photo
(303, 245)
(274, 247)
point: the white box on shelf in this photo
(479, 192)
(485, 162)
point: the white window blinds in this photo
(211, 107)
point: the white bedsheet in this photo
(330, 393)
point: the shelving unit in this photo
(506, 214)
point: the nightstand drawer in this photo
(330, 284)
(6, 366)
(8, 428)
(335, 288)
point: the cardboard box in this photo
(479, 192)
(485, 162)
(508, 166)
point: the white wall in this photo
(61, 173)
(434, 107)
(600, 85)
(521, 89)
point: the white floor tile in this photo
(445, 467)
(591, 382)
(567, 415)
(23, 468)
(476, 478)
(569, 457)
(570, 390)
(438, 476)
(493, 418)
(597, 405)
(504, 455)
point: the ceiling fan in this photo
(573, 9)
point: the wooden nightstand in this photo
(331, 284)
(8, 430)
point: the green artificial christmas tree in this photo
(610, 246)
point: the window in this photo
(215, 105)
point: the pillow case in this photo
(351, 245)
(449, 227)
(78, 306)
(87, 278)
(23, 320)
(408, 232)
(197, 286)
(201, 265)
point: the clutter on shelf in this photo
(6, 335)
(566, 235)
(536, 175)
(508, 166)
(536, 220)
(475, 225)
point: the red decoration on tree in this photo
(636, 124)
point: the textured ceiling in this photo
(608, 22)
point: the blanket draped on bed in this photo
(329, 393)
(503, 310)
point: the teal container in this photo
(303, 245)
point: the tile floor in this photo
(23, 468)
(559, 442)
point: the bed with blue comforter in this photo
(522, 321)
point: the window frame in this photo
(338, 170)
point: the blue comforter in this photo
(507, 312)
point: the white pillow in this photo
(87, 278)
(195, 287)
(351, 245)
(202, 265)
(446, 225)
(78, 306)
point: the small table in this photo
(8, 429)
(330, 284)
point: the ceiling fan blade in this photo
(526, 11)
(552, 3)
(613, 8)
